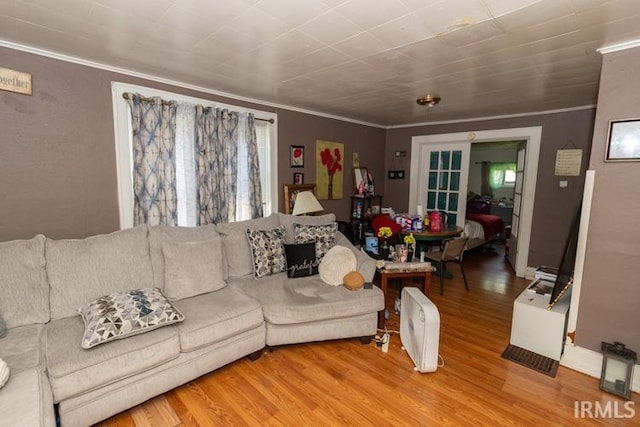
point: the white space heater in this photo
(420, 329)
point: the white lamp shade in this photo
(306, 203)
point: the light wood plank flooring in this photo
(346, 383)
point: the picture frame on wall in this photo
(290, 193)
(298, 178)
(296, 156)
(623, 142)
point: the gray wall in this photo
(554, 207)
(610, 293)
(57, 168)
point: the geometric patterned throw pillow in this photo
(323, 235)
(124, 314)
(267, 250)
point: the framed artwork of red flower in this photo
(297, 156)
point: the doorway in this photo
(532, 137)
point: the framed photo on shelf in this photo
(360, 175)
(623, 143)
(290, 193)
(298, 178)
(297, 156)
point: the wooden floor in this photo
(347, 383)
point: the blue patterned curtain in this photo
(154, 171)
(253, 166)
(216, 164)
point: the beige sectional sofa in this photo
(228, 314)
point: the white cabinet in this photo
(537, 329)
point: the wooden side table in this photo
(383, 276)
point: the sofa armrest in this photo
(366, 264)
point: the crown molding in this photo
(618, 47)
(505, 116)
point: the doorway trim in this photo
(532, 135)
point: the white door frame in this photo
(532, 135)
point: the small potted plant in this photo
(410, 241)
(384, 234)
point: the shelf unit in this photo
(360, 219)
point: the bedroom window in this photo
(267, 150)
(502, 175)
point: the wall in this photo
(304, 129)
(554, 207)
(57, 168)
(610, 294)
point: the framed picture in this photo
(360, 176)
(623, 144)
(297, 156)
(290, 193)
(298, 178)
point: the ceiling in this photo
(358, 59)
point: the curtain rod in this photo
(125, 95)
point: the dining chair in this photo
(453, 252)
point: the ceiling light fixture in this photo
(428, 100)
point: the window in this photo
(502, 175)
(267, 149)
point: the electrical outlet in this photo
(401, 153)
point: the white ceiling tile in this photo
(447, 16)
(270, 27)
(134, 8)
(312, 62)
(361, 45)
(503, 7)
(293, 12)
(188, 21)
(226, 44)
(362, 13)
(402, 31)
(72, 8)
(330, 27)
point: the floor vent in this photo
(531, 360)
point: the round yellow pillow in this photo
(353, 281)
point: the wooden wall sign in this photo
(15, 81)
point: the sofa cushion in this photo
(26, 400)
(301, 259)
(24, 298)
(307, 299)
(287, 221)
(193, 268)
(124, 314)
(267, 251)
(216, 316)
(323, 235)
(74, 370)
(160, 234)
(80, 271)
(337, 263)
(23, 347)
(236, 244)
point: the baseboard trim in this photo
(590, 362)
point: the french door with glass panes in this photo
(444, 171)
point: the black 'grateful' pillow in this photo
(301, 259)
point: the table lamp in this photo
(306, 203)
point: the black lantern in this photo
(617, 369)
